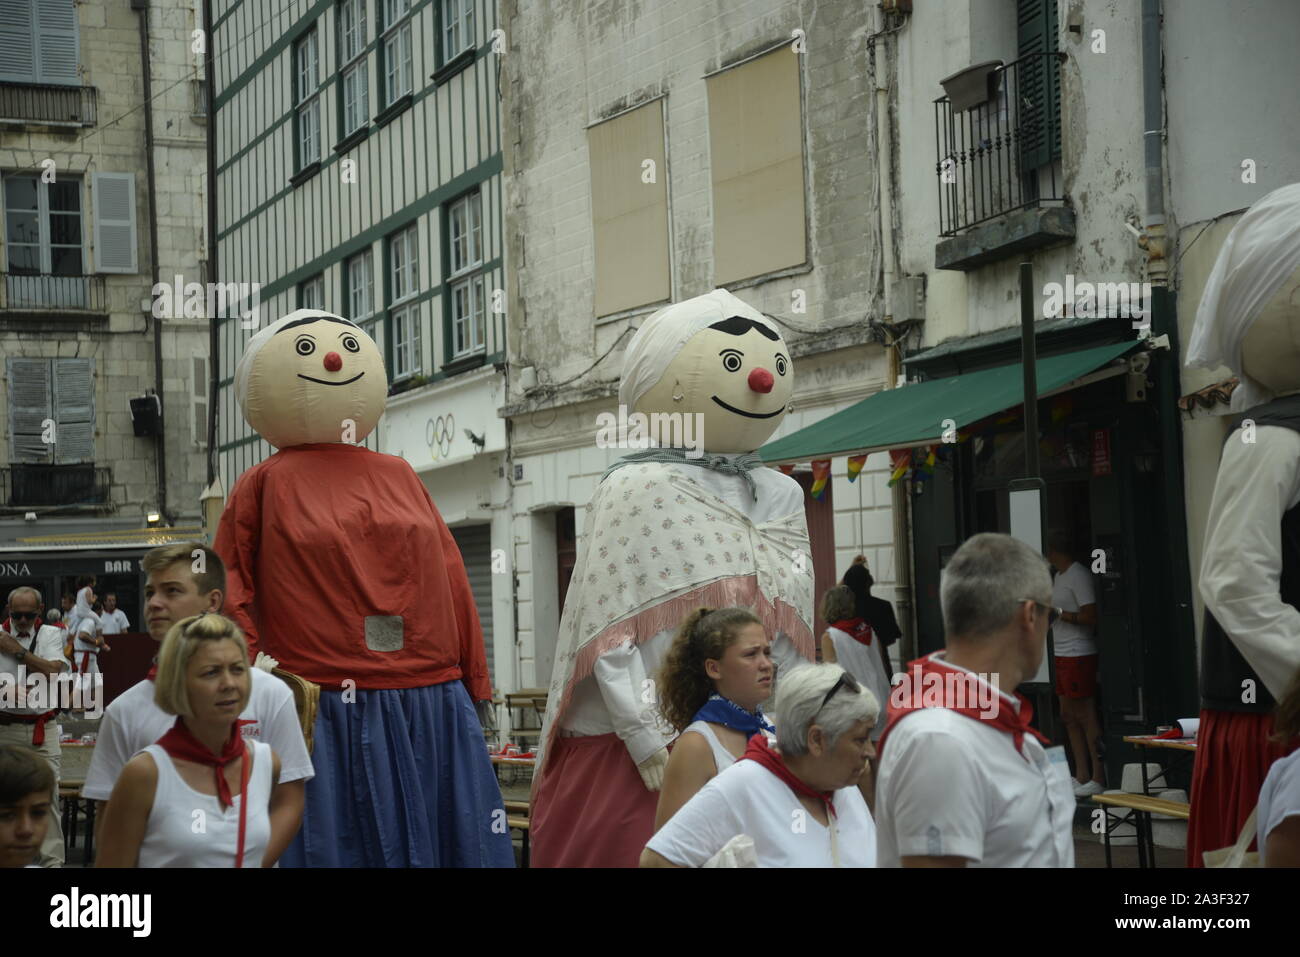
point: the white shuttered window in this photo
(115, 233)
(39, 42)
(51, 411)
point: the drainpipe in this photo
(214, 344)
(1177, 644)
(142, 7)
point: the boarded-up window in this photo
(629, 209)
(756, 159)
(51, 411)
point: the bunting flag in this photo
(924, 464)
(855, 465)
(900, 460)
(786, 469)
(821, 469)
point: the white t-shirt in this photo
(864, 664)
(953, 786)
(171, 838)
(115, 622)
(1072, 590)
(133, 722)
(749, 799)
(1279, 798)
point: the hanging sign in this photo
(1100, 452)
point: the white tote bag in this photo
(1236, 855)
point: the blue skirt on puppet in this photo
(403, 779)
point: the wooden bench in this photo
(517, 819)
(1138, 808)
(72, 801)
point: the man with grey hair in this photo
(799, 801)
(26, 650)
(963, 778)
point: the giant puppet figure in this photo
(667, 531)
(339, 566)
(1249, 320)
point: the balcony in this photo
(44, 486)
(24, 104)
(45, 294)
(996, 166)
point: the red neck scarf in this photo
(181, 743)
(152, 673)
(759, 750)
(907, 698)
(855, 628)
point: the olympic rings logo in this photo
(438, 433)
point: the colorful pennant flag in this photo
(900, 460)
(855, 465)
(821, 469)
(786, 469)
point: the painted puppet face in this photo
(312, 377)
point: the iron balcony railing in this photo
(998, 156)
(41, 103)
(46, 293)
(40, 486)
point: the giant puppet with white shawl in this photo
(340, 567)
(1249, 321)
(667, 531)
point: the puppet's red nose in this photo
(334, 362)
(760, 380)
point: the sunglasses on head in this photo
(1053, 613)
(845, 682)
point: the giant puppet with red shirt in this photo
(1249, 321)
(340, 567)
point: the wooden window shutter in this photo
(17, 42)
(74, 411)
(57, 51)
(115, 239)
(29, 408)
(1040, 85)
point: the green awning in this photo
(913, 415)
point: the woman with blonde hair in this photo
(718, 671)
(202, 770)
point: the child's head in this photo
(26, 788)
(723, 650)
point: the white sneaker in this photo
(1088, 789)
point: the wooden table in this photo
(1183, 748)
(70, 795)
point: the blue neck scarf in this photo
(720, 710)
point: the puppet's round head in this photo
(1249, 317)
(311, 377)
(716, 357)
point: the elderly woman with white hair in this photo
(797, 799)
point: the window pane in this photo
(477, 327)
(65, 262)
(65, 195)
(24, 260)
(22, 228)
(406, 59)
(65, 229)
(476, 237)
(20, 192)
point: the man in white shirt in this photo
(30, 652)
(187, 579)
(113, 618)
(963, 779)
(1073, 638)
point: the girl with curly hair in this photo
(717, 673)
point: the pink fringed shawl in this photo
(658, 546)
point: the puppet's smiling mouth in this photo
(344, 382)
(748, 415)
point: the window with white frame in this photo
(361, 287)
(457, 28)
(45, 258)
(465, 244)
(404, 278)
(311, 293)
(352, 54)
(306, 83)
(396, 49)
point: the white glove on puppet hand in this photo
(265, 662)
(652, 769)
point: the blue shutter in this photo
(74, 411)
(17, 42)
(56, 43)
(29, 407)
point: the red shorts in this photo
(1077, 677)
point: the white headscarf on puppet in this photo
(1261, 253)
(311, 377)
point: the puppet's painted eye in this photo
(732, 360)
(781, 365)
(350, 343)
(305, 345)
